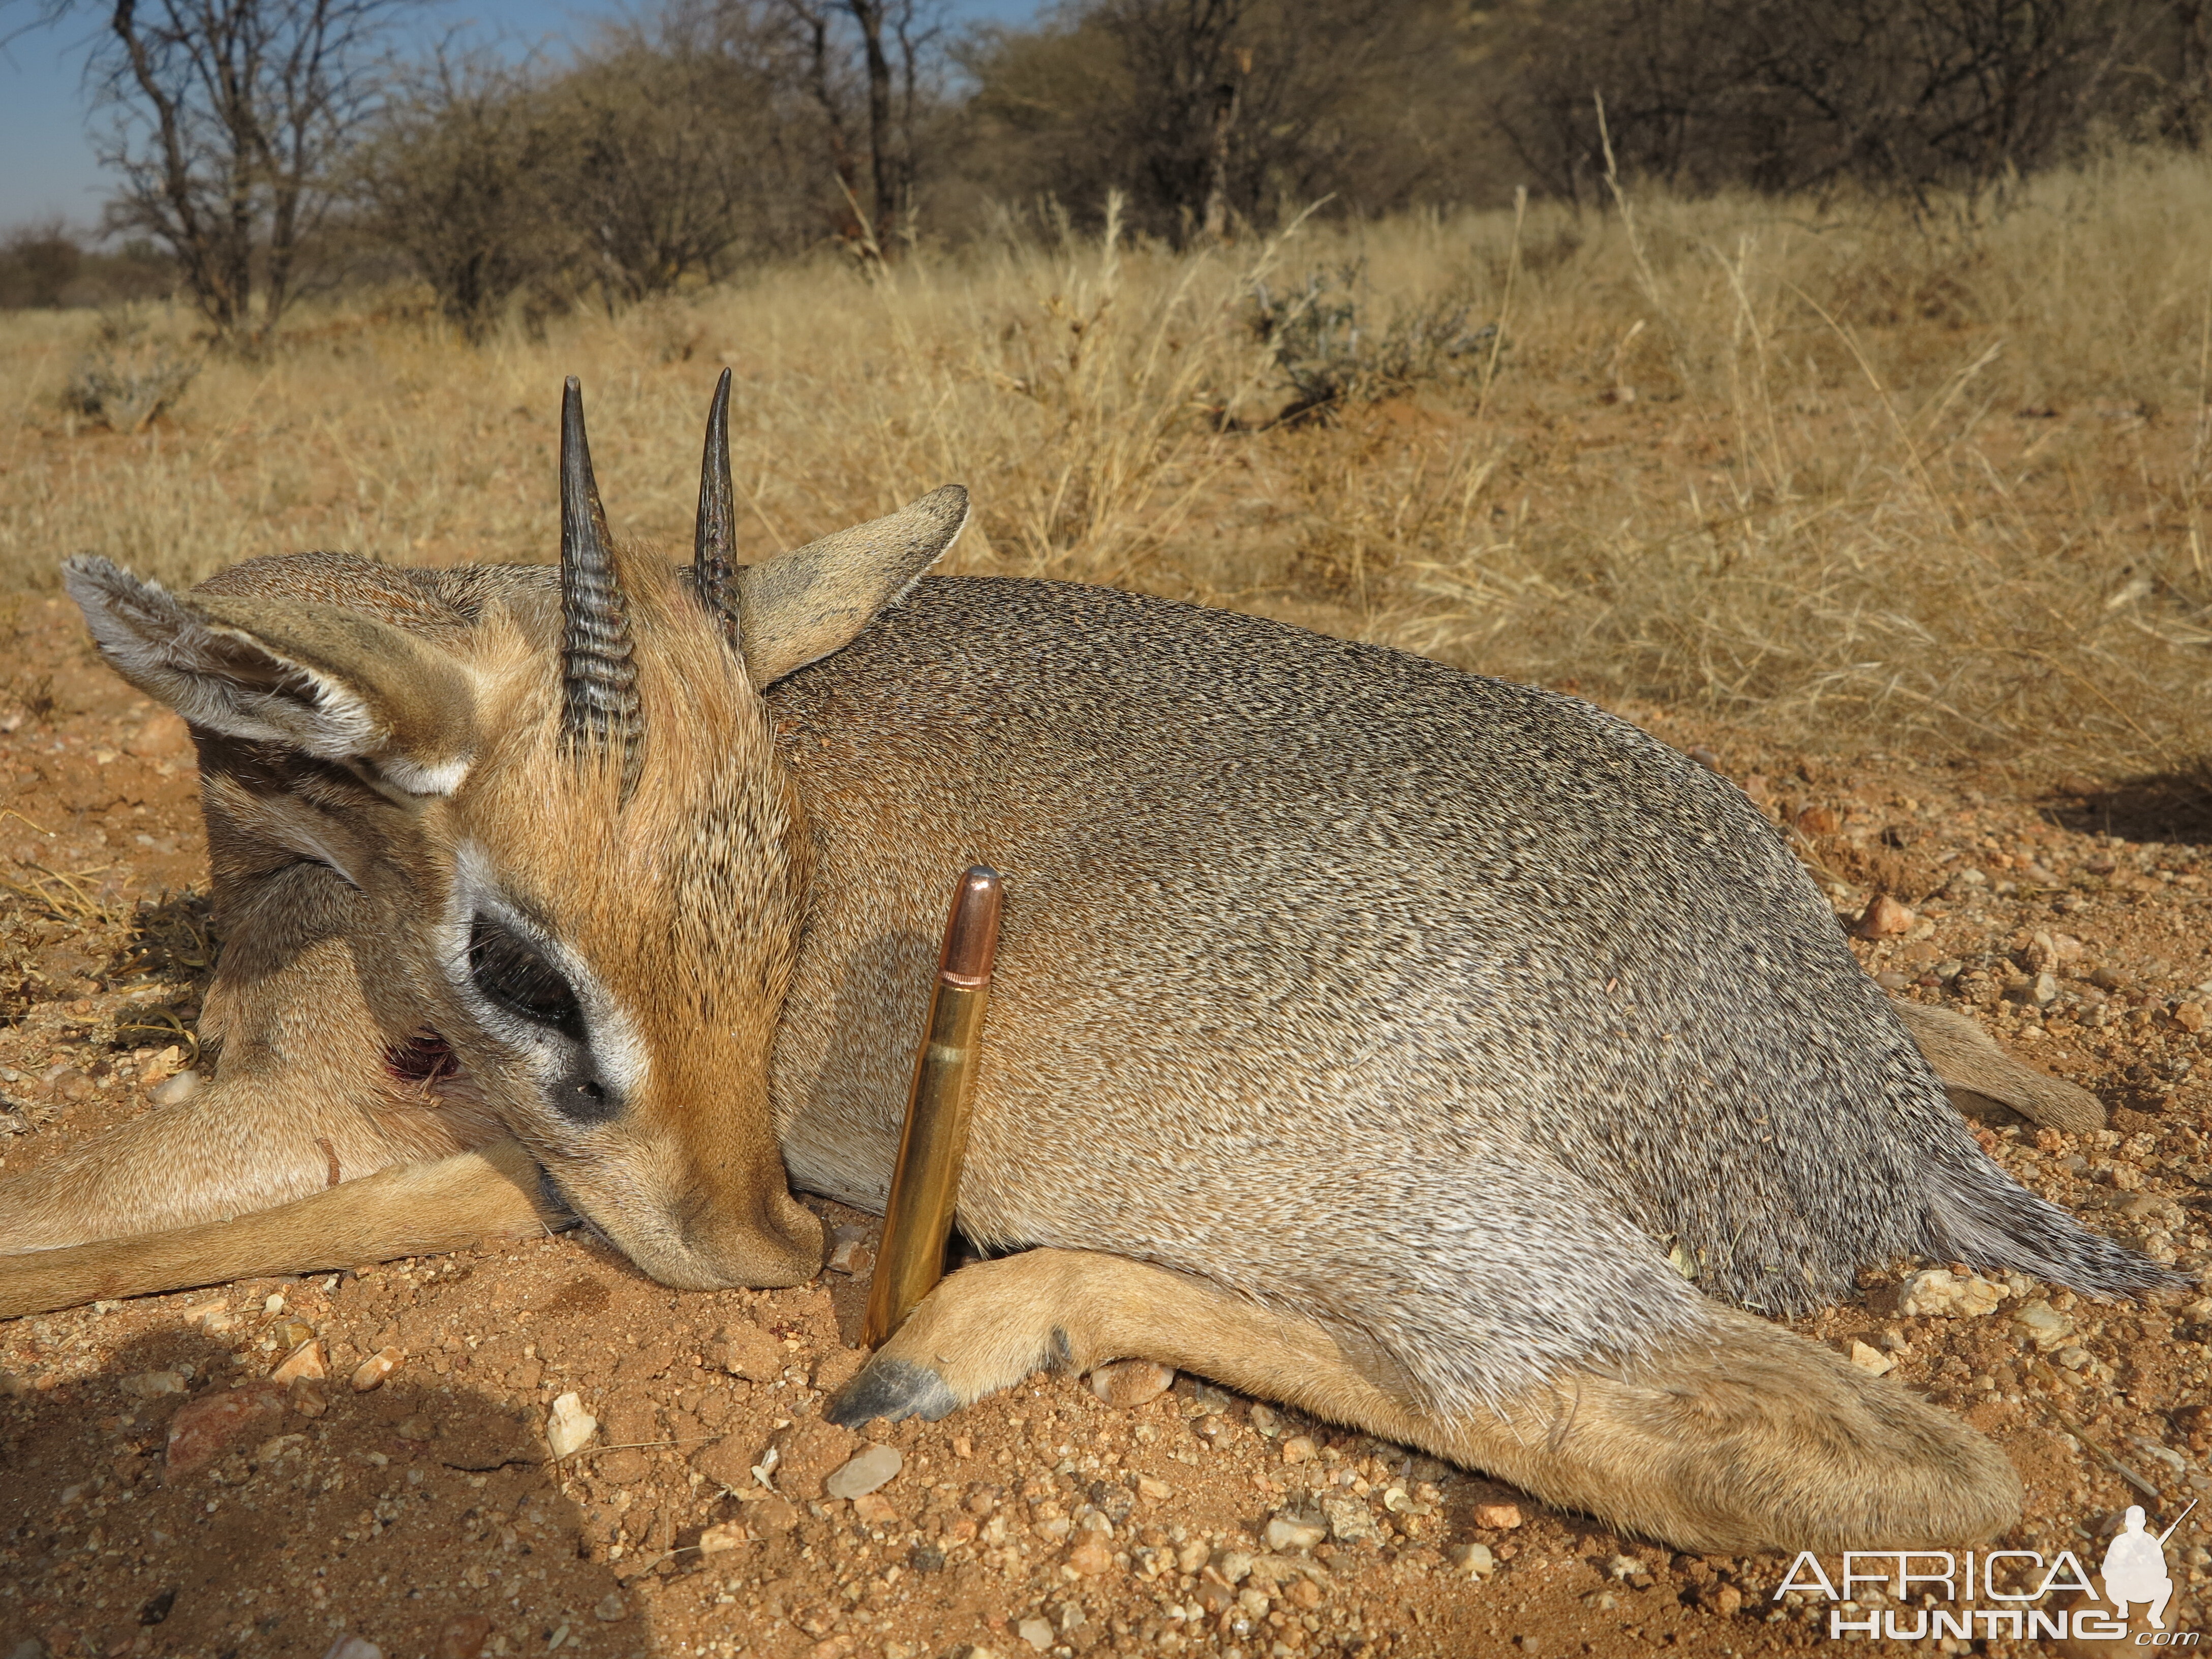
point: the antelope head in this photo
(588, 833)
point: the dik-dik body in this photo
(1366, 1034)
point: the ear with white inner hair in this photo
(800, 606)
(322, 680)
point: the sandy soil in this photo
(428, 1518)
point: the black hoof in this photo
(891, 1389)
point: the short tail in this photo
(1979, 1215)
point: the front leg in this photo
(493, 1192)
(993, 1323)
(1733, 1437)
(315, 1087)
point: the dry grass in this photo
(1836, 475)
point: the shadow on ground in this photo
(420, 1516)
(2172, 807)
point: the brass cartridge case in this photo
(926, 1180)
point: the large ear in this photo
(325, 681)
(800, 606)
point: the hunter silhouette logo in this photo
(2134, 1567)
(1934, 1595)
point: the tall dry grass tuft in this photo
(1841, 474)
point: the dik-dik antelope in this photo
(1367, 1034)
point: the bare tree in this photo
(38, 263)
(890, 94)
(868, 16)
(920, 31)
(229, 118)
(1204, 112)
(692, 146)
(458, 175)
(2169, 62)
(1187, 57)
(660, 183)
(1905, 96)
(819, 57)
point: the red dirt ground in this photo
(427, 1516)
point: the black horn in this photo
(599, 677)
(713, 571)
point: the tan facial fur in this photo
(672, 913)
(422, 787)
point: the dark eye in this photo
(513, 975)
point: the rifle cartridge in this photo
(926, 1180)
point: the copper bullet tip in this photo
(971, 933)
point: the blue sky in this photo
(46, 164)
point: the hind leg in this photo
(1973, 1069)
(1743, 1437)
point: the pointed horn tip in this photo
(714, 548)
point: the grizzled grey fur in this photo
(1473, 997)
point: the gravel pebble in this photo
(1131, 1382)
(1948, 1295)
(1090, 1556)
(372, 1371)
(306, 1360)
(729, 1465)
(2045, 1325)
(1475, 1560)
(723, 1535)
(308, 1396)
(1871, 1359)
(773, 1514)
(1289, 1531)
(848, 1251)
(568, 1426)
(462, 1637)
(177, 1091)
(750, 1353)
(1883, 918)
(1349, 1520)
(203, 1428)
(862, 1474)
